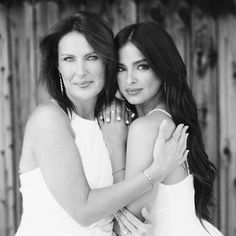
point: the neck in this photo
(144, 108)
(85, 109)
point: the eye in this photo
(92, 58)
(120, 68)
(68, 59)
(143, 67)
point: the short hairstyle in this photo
(101, 39)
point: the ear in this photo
(119, 95)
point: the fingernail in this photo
(101, 118)
(118, 118)
(133, 115)
(127, 122)
(107, 120)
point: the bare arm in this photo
(141, 140)
(59, 160)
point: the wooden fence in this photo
(206, 42)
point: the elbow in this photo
(85, 218)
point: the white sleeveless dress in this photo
(42, 215)
(173, 212)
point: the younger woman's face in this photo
(136, 80)
(82, 69)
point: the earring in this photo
(61, 83)
(164, 87)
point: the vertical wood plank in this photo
(227, 87)
(204, 82)
(3, 65)
(7, 222)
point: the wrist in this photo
(156, 173)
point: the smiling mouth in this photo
(133, 92)
(84, 84)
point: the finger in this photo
(118, 111)
(184, 157)
(113, 111)
(107, 114)
(184, 145)
(182, 138)
(126, 117)
(177, 133)
(127, 223)
(100, 116)
(135, 221)
(146, 215)
(121, 224)
(122, 109)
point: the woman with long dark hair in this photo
(152, 78)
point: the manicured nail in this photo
(127, 122)
(118, 118)
(133, 115)
(108, 120)
(101, 117)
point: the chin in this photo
(135, 101)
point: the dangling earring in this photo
(61, 83)
(164, 87)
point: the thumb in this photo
(146, 215)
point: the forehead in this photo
(129, 52)
(73, 43)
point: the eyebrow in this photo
(135, 62)
(69, 54)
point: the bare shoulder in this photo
(151, 123)
(45, 115)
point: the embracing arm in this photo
(59, 160)
(141, 149)
(141, 140)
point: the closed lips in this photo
(84, 84)
(133, 91)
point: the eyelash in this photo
(139, 67)
(89, 58)
(143, 67)
(92, 57)
(68, 59)
(120, 68)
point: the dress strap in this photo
(158, 109)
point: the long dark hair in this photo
(163, 57)
(101, 39)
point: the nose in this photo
(131, 79)
(80, 68)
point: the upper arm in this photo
(58, 157)
(141, 139)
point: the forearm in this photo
(118, 164)
(113, 198)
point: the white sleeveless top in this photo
(173, 212)
(42, 215)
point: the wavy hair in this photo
(101, 39)
(163, 57)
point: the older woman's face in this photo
(82, 69)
